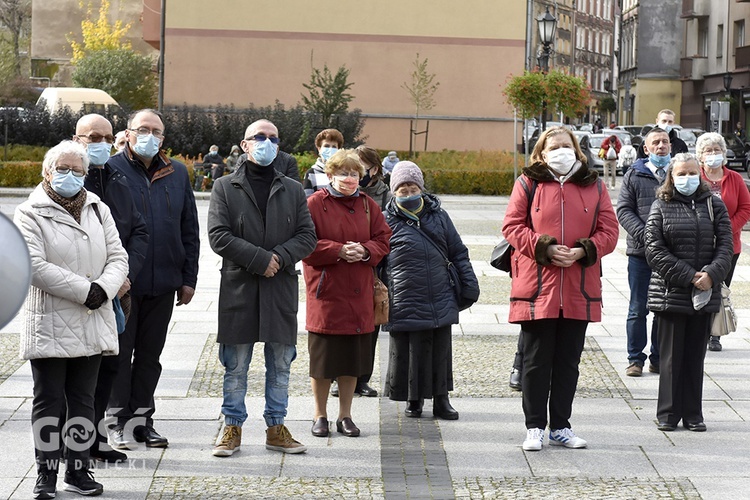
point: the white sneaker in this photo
(534, 439)
(565, 437)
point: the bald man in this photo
(95, 132)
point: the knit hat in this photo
(406, 171)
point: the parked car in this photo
(737, 153)
(584, 142)
(633, 130)
(690, 135)
(586, 127)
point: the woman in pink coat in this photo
(561, 223)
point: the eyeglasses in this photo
(713, 152)
(261, 138)
(93, 138)
(346, 174)
(145, 131)
(64, 170)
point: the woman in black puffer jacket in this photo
(423, 302)
(689, 247)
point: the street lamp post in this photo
(728, 87)
(546, 25)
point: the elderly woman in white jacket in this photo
(78, 266)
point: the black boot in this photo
(515, 379)
(414, 408)
(441, 408)
(46, 482)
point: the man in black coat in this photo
(665, 121)
(95, 132)
(258, 221)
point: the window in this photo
(702, 49)
(720, 41)
(739, 33)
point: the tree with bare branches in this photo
(15, 16)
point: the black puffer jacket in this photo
(418, 281)
(679, 243)
(637, 194)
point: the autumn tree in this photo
(104, 60)
(98, 34)
(558, 91)
(328, 94)
(421, 89)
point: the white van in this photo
(91, 100)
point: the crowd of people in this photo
(114, 243)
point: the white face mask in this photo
(713, 161)
(561, 160)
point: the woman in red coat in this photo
(610, 159)
(728, 185)
(559, 241)
(353, 237)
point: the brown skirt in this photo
(334, 356)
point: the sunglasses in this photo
(261, 138)
(93, 138)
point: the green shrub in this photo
(20, 173)
(304, 162)
(22, 152)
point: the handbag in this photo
(119, 315)
(724, 321)
(380, 300)
(500, 258)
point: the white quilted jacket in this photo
(66, 257)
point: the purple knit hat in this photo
(406, 171)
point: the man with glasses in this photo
(637, 193)
(95, 133)
(259, 223)
(161, 189)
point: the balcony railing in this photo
(686, 68)
(742, 56)
(693, 8)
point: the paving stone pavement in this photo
(477, 457)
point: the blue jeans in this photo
(236, 360)
(639, 275)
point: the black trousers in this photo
(60, 381)
(682, 343)
(551, 354)
(139, 369)
(518, 358)
(104, 382)
(364, 379)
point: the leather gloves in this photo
(96, 297)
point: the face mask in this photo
(147, 146)
(344, 184)
(561, 160)
(98, 152)
(327, 152)
(666, 128)
(264, 152)
(687, 184)
(365, 180)
(66, 185)
(713, 161)
(235, 154)
(410, 203)
(659, 161)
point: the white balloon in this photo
(15, 270)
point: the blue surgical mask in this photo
(410, 203)
(66, 185)
(98, 152)
(147, 146)
(687, 184)
(713, 161)
(327, 151)
(666, 128)
(264, 152)
(659, 161)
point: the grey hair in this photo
(65, 148)
(710, 139)
(666, 190)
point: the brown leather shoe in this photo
(320, 427)
(634, 370)
(346, 427)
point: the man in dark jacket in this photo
(637, 194)
(162, 192)
(259, 223)
(214, 163)
(95, 132)
(665, 121)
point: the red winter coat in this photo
(339, 293)
(577, 213)
(736, 197)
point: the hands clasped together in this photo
(563, 256)
(353, 252)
